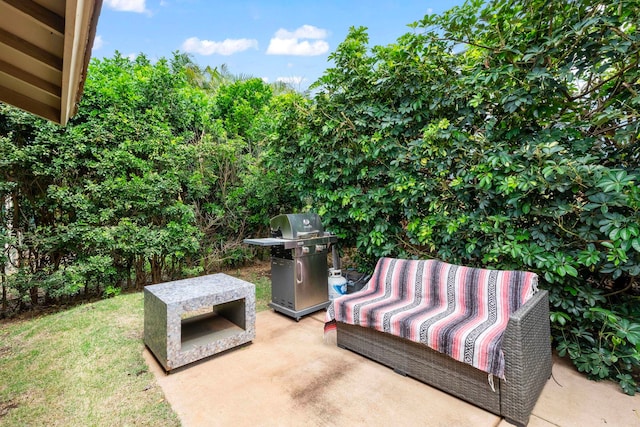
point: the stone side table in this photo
(188, 320)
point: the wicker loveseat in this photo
(375, 322)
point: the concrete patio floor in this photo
(288, 376)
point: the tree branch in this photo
(620, 73)
(467, 42)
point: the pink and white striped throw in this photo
(459, 311)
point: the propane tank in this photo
(337, 284)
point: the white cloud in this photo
(295, 47)
(137, 6)
(304, 32)
(293, 80)
(97, 42)
(226, 47)
(286, 42)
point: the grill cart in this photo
(299, 273)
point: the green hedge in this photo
(501, 136)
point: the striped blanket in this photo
(459, 311)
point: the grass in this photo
(80, 367)
(84, 366)
(259, 275)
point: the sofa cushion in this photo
(459, 311)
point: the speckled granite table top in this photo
(197, 287)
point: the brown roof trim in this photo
(93, 25)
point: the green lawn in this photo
(80, 367)
(84, 367)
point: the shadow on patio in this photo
(289, 377)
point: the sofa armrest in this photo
(527, 352)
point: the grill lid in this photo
(296, 226)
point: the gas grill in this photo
(299, 278)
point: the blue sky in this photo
(275, 40)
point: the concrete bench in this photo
(188, 320)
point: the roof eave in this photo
(81, 22)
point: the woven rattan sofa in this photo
(525, 345)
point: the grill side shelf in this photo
(267, 241)
(290, 244)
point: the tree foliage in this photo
(152, 180)
(500, 136)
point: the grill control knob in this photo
(305, 249)
(320, 248)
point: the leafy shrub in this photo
(111, 291)
(504, 137)
(158, 176)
